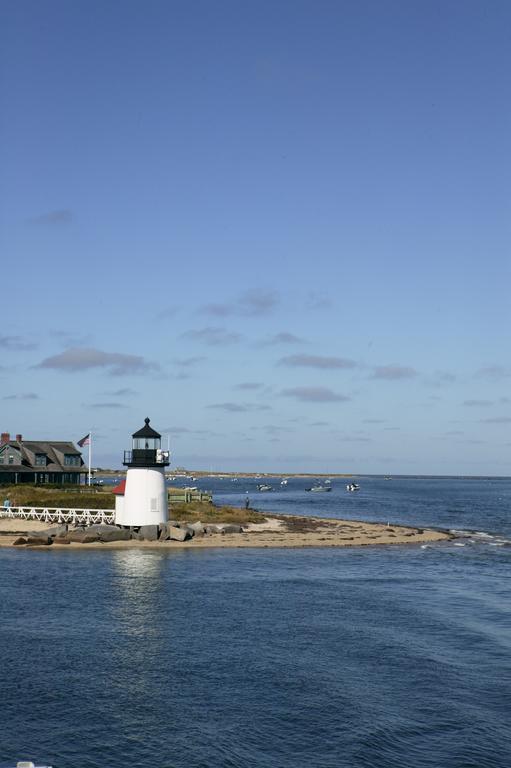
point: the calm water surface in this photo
(376, 657)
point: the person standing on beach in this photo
(247, 502)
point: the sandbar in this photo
(276, 531)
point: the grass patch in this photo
(208, 513)
(36, 496)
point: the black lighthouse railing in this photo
(146, 457)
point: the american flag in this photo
(84, 441)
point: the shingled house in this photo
(39, 461)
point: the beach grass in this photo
(55, 496)
(52, 497)
(207, 512)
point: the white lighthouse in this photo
(145, 495)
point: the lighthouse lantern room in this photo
(145, 495)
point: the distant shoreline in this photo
(265, 475)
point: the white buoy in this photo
(145, 495)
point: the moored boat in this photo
(29, 764)
(318, 488)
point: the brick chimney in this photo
(5, 438)
(19, 438)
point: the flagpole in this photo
(90, 457)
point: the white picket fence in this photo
(60, 515)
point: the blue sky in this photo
(279, 229)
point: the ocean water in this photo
(377, 657)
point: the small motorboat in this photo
(283, 482)
(29, 764)
(264, 487)
(352, 487)
(318, 488)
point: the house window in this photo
(11, 459)
(71, 460)
(40, 459)
(1, 459)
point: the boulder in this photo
(59, 530)
(102, 527)
(115, 534)
(230, 528)
(178, 534)
(197, 528)
(168, 531)
(165, 529)
(39, 541)
(18, 541)
(212, 528)
(56, 530)
(81, 536)
(149, 532)
(61, 540)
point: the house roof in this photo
(55, 450)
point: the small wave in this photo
(478, 537)
(472, 535)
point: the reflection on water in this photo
(138, 563)
(137, 611)
(136, 593)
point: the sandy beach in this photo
(282, 531)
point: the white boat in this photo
(29, 764)
(352, 487)
(264, 487)
(318, 488)
(283, 482)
